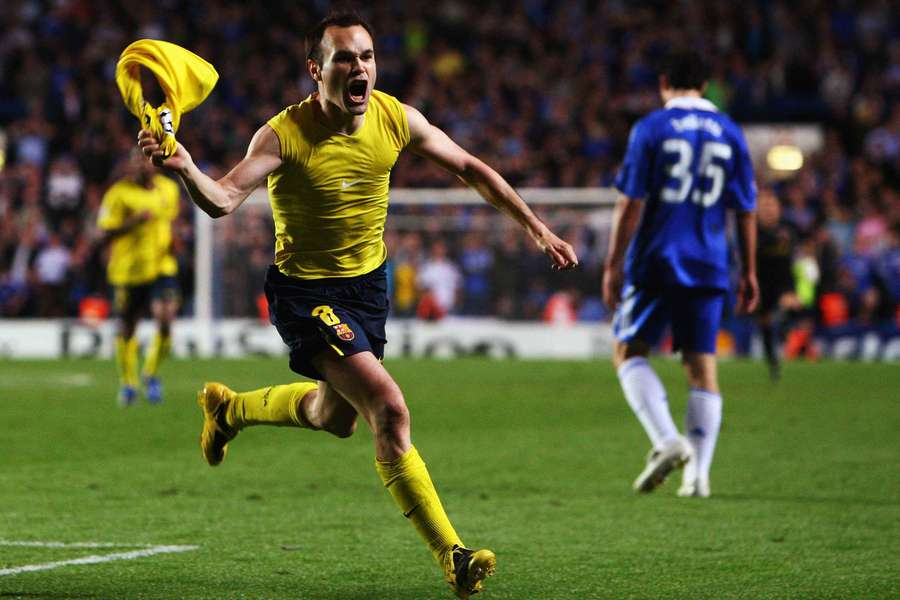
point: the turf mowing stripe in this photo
(97, 558)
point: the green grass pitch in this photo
(532, 459)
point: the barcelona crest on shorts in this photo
(344, 332)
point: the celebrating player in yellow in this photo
(136, 215)
(328, 161)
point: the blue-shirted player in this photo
(686, 166)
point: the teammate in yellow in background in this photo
(136, 215)
(328, 161)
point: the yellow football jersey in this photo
(330, 195)
(145, 252)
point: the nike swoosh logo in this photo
(349, 184)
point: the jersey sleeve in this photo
(633, 178)
(112, 210)
(742, 186)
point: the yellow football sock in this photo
(159, 350)
(274, 405)
(410, 485)
(127, 360)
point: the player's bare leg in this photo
(647, 397)
(702, 420)
(164, 311)
(327, 410)
(363, 382)
(702, 371)
(622, 351)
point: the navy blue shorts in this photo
(343, 315)
(694, 314)
(165, 288)
(132, 301)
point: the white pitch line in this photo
(24, 544)
(97, 558)
(73, 379)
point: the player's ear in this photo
(315, 71)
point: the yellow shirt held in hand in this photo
(144, 253)
(185, 78)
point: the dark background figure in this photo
(774, 262)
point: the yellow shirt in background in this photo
(330, 195)
(144, 253)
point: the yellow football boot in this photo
(213, 400)
(466, 569)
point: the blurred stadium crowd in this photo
(543, 90)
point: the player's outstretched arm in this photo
(626, 217)
(748, 287)
(218, 198)
(430, 142)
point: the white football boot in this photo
(694, 488)
(692, 485)
(660, 463)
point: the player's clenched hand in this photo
(150, 147)
(560, 251)
(613, 279)
(748, 294)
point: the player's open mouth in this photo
(357, 90)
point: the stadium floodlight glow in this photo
(784, 158)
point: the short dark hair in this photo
(685, 70)
(336, 19)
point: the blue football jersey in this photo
(689, 163)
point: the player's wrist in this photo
(613, 265)
(539, 233)
(537, 229)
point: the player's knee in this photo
(395, 415)
(341, 429)
(126, 329)
(392, 415)
(618, 355)
(701, 376)
(622, 351)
